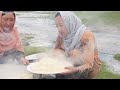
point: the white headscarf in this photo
(75, 30)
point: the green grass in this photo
(111, 17)
(105, 74)
(107, 17)
(33, 50)
(27, 36)
(117, 56)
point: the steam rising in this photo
(57, 55)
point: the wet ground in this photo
(105, 26)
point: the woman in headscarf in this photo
(11, 47)
(78, 43)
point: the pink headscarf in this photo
(10, 41)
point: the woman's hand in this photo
(70, 70)
(24, 61)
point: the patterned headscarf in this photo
(75, 30)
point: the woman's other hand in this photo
(24, 61)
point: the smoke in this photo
(10, 57)
(76, 57)
(57, 55)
